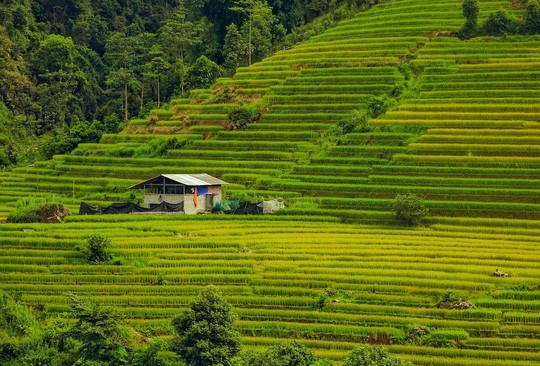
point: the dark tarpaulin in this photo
(86, 209)
(168, 207)
(249, 208)
(123, 208)
(128, 207)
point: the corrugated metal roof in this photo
(194, 180)
(186, 179)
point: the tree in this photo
(156, 67)
(531, 23)
(500, 24)
(470, 12)
(97, 249)
(120, 53)
(97, 336)
(372, 356)
(258, 28)
(206, 333)
(234, 49)
(177, 36)
(203, 73)
(410, 209)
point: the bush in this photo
(27, 209)
(372, 356)
(500, 24)
(377, 106)
(240, 116)
(97, 249)
(410, 209)
(446, 338)
(531, 22)
(356, 122)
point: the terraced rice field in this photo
(464, 135)
(274, 271)
(449, 100)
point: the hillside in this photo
(446, 92)
(458, 124)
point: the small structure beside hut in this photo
(197, 192)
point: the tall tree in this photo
(155, 68)
(177, 35)
(257, 28)
(470, 12)
(120, 53)
(234, 49)
(206, 333)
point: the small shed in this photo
(198, 192)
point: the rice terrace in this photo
(399, 148)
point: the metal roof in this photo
(194, 180)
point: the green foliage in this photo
(206, 333)
(18, 327)
(446, 338)
(531, 21)
(202, 74)
(240, 116)
(235, 49)
(372, 356)
(470, 12)
(288, 354)
(500, 23)
(97, 249)
(282, 354)
(150, 355)
(356, 122)
(97, 336)
(27, 208)
(450, 297)
(377, 106)
(410, 209)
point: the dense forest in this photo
(71, 70)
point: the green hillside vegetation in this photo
(393, 101)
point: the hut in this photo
(197, 192)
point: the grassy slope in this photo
(471, 112)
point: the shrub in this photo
(356, 122)
(240, 116)
(289, 354)
(97, 249)
(372, 356)
(377, 106)
(446, 338)
(32, 209)
(531, 22)
(500, 24)
(410, 209)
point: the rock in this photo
(53, 213)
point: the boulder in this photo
(53, 213)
